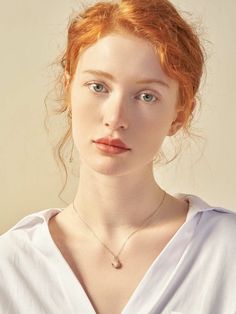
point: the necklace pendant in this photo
(116, 263)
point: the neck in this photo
(110, 204)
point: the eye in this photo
(149, 97)
(96, 87)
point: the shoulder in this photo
(19, 238)
(215, 217)
(214, 222)
(221, 222)
(216, 231)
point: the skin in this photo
(117, 192)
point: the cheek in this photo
(83, 113)
(153, 132)
(158, 122)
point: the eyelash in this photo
(97, 83)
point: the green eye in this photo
(149, 97)
(97, 87)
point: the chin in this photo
(106, 165)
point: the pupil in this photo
(148, 96)
(97, 87)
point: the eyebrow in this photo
(111, 77)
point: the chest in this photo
(110, 289)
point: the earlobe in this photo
(175, 126)
(180, 119)
(66, 79)
(177, 123)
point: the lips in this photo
(112, 142)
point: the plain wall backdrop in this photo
(32, 35)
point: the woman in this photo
(124, 245)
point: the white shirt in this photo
(194, 274)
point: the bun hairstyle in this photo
(174, 40)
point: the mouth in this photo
(113, 145)
(114, 142)
(111, 149)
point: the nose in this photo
(115, 113)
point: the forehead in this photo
(123, 55)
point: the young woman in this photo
(124, 245)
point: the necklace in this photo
(115, 261)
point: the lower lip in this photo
(110, 149)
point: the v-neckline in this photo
(78, 298)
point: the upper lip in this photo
(112, 142)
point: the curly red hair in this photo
(173, 39)
(157, 21)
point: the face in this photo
(119, 90)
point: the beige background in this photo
(32, 34)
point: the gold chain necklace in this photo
(116, 262)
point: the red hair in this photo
(157, 21)
(172, 38)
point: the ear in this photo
(66, 79)
(177, 123)
(180, 119)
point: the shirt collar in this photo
(197, 204)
